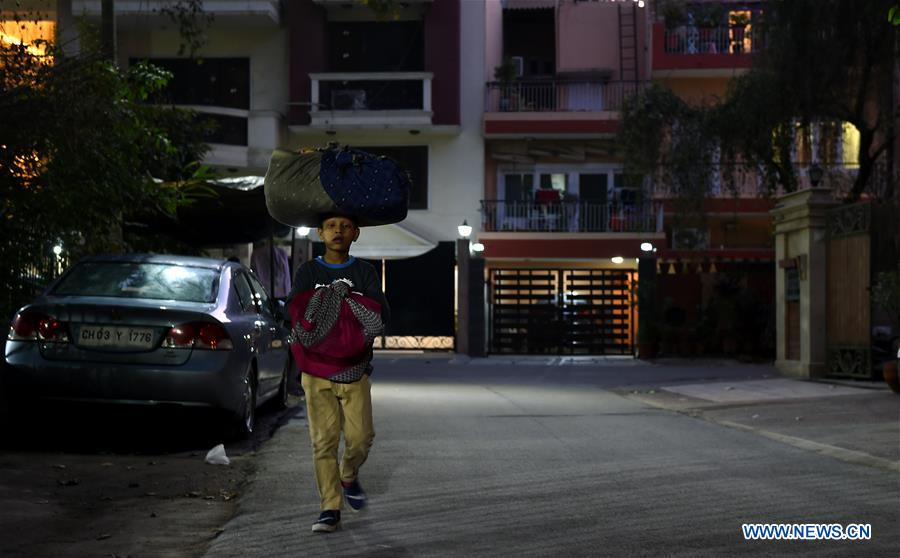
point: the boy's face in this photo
(338, 233)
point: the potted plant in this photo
(674, 13)
(505, 74)
(886, 296)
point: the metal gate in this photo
(848, 278)
(562, 311)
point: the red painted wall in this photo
(306, 24)
(442, 58)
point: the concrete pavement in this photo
(534, 456)
(858, 424)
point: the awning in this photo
(390, 242)
(234, 213)
(528, 4)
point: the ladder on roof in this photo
(628, 47)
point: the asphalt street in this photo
(554, 457)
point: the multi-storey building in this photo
(561, 224)
(305, 73)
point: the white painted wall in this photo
(493, 53)
(265, 46)
(455, 161)
(456, 164)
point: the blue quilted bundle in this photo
(302, 186)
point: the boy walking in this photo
(337, 308)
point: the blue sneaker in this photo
(354, 495)
(329, 520)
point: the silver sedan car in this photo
(148, 329)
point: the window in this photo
(414, 159)
(381, 46)
(557, 181)
(262, 297)
(27, 32)
(222, 83)
(518, 187)
(593, 187)
(214, 82)
(140, 280)
(244, 293)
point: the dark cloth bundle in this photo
(302, 186)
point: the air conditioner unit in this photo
(519, 64)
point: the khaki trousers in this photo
(333, 407)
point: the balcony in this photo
(555, 108)
(263, 12)
(558, 96)
(569, 216)
(362, 99)
(689, 47)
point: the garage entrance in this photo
(562, 311)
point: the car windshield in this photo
(140, 280)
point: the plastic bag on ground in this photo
(216, 456)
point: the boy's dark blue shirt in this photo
(361, 275)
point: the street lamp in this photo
(646, 247)
(617, 259)
(815, 173)
(464, 230)
(477, 248)
(303, 232)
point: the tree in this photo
(823, 63)
(82, 152)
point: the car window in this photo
(244, 292)
(265, 303)
(140, 280)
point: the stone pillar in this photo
(462, 296)
(801, 249)
(471, 330)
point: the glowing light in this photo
(28, 33)
(646, 247)
(478, 247)
(617, 259)
(57, 249)
(303, 231)
(464, 230)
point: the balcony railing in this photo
(371, 97)
(559, 96)
(371, 91)
(689, 39)
(569, 216)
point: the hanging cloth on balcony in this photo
(301, 186)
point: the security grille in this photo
(561, 311)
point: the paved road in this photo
(533, 458)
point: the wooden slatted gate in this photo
(561, 311)
(848, 278)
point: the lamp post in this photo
(470, 327)
(815, 174)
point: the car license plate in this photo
(116, 337)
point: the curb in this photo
(836, 452)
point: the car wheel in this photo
(245, 419)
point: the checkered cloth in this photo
(322, 312)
